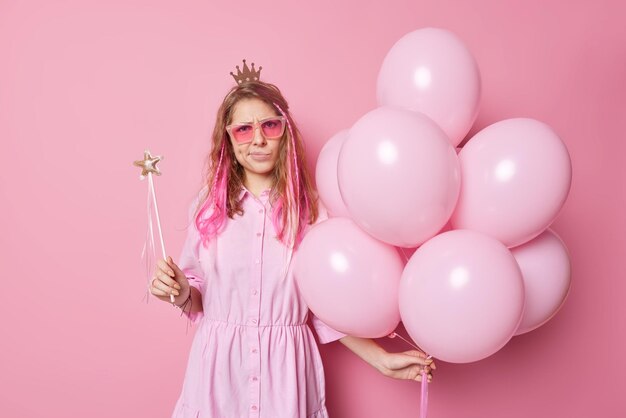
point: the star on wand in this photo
(148, 166)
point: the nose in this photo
(258, 137)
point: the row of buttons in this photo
(254, 407)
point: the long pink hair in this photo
(293, 198)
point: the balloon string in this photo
(404, 254)
(395, 334)
(424, 403)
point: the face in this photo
(259, 156)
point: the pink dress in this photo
(253, 355)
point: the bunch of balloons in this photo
(486, 267)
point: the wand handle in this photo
(156, 211)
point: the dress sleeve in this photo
(189, 261)
(325, 333)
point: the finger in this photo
(155, 290)
(173, 265)
(426, 361)
(413, 359)
(161, 289)
(165, 267)
(164, 283)
(415, 372)
(428, 379)
(416, 353)
(168, 280)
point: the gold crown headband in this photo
(246, 74)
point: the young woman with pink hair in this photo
(253, 353)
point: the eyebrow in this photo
(251, 122)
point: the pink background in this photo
(85, 86)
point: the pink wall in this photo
(86, 85)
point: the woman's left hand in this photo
(406, 365)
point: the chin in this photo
(262, 165)
(264, 168)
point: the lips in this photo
(259, 156)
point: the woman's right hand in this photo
(169, 279)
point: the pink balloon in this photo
(461, 296)
(431, 71)
(546, 269)
(516, 177)
(349, 279)
(399, 176)
(326, 175)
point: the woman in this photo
(253, 353)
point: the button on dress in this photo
(253, 354)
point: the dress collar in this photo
(245, 190)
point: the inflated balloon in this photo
(431, 71)
(348, 279)
(546, 269)
(516, 178)
(461, 296)
(326, 175)
(399, 176)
